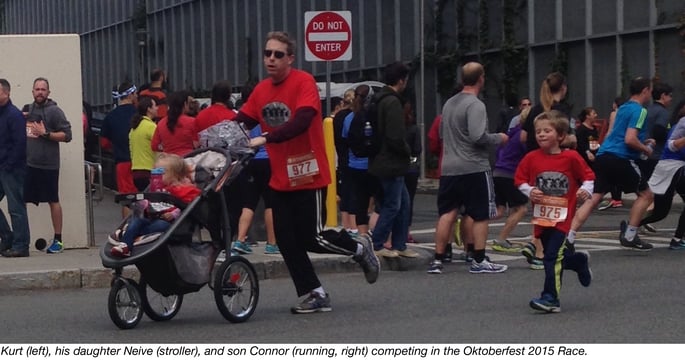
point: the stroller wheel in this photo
(124, 304)
(157, 306)
(236, 289)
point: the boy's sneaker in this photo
(55, 247)
(676, 244)
(313, 303)
(487, 267)
(120, 250)
(505, 246)
(271, 249)
(435, 267)
(536, 264)
(616, 203)
(584, 271)
(546, 303)
(528, 251)
(636, 244)
(241, 247)
(368, 259)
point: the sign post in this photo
(328, 37)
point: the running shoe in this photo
(605, 204)
(536, 264)
(486, 267)
(636, 244)
(313, 303)
(435, 267)
(528, 251)
(241, 247)
(55, 247)
(505, 246)
(676, 244)
(546, 303)
(271, 249)
(368, 259)
(584, 271)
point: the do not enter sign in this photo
(328, 35)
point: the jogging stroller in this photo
(180, 260)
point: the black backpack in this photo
(364, 137)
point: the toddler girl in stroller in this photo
(147, 217)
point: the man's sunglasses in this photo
(277, 54)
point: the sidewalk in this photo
(82, 268)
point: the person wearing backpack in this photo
(391, 163)
(360, 186)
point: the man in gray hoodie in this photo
(46, 128)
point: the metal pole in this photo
(421, 104)
(328, 88)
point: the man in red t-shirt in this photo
(287, 107)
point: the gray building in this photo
(598, 44)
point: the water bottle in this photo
(644, 156)
(156, 182)
(368, 132)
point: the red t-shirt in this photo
(160, 99)
(180, 142)
(557, 175)
(299, 163)
(434, 140)
(214, 114)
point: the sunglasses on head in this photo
(277, 54)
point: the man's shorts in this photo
(42, 185)
(612, 171)
(506, 193)
(125, 178)
(474, 194)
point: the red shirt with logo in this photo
(299, 163)
(558, 176)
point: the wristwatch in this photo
(46, 135)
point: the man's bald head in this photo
(471, 73)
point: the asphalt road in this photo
(634, 298)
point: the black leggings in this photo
(663, 203)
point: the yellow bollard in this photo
(332, 194)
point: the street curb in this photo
(76, 278)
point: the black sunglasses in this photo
(277, 54)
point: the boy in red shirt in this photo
(554, 179)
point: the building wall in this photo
(605, 42)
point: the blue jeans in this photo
(394, 214)
(138, 226)
(12, 187)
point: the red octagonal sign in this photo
(328, 36)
